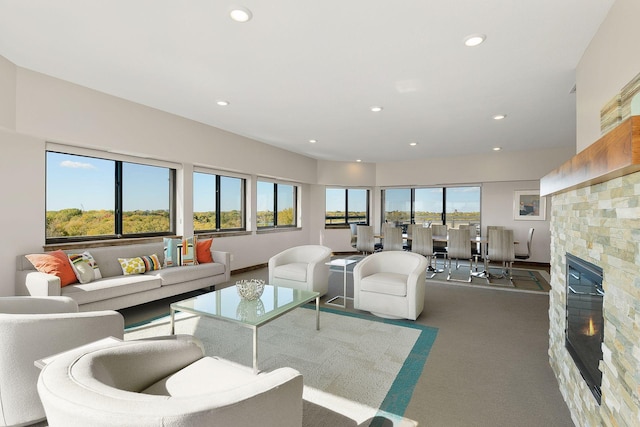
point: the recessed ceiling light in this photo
(413, 144)
(497, 148)
(240, 14)
(358, 160)
(313, 141)
(222, 103)
(474, 39)
(499, 116)
(376, 109)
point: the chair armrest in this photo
(37, 305)
(42, 284)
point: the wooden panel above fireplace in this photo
(615, 154)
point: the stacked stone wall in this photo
(600, 224)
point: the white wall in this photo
(608, 64)
(48, 109)
(51, 110)
(499, 174)
(7, 94)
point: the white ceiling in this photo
(311, 69)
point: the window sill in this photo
(278, 230)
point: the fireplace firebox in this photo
(585, 322)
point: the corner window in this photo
(453, 206)
(276, 205)
(94, 198)
(345, 206)
(218, 202)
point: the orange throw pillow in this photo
(56, 263)
(203, 251)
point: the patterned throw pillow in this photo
(170, 252)
(84, 272)
(151, 262)
(132, 265)
(180, 251)
(85, 256)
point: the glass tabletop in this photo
(226, 304)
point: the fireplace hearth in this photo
(585, 323)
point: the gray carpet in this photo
(489, 365)
(352, 366)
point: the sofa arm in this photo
(223, 258)
(39, 284)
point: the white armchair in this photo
(390, 284)
(301, 267)
(165, 383)
(32, 328)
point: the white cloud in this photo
(76, 165)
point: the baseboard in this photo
(251, 268)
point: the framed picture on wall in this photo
(529, 206)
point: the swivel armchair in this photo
(301, 267)
(165, 383)
(32, 328)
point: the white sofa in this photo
(165, 383)
(32, 328)
(115, 290)
(301, 267)
(390, 284)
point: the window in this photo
(438, 205)
(280, 199)
(89, 197)
(345, 206)
(218, 202)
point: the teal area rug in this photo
(359, 370)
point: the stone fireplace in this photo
(595, 216)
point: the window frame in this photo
(118, 186)
(296, 189)
(443, 214)
(346, 222)
(218, 198)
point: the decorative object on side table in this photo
(250, 289)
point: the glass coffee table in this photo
(225, 304)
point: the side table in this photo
(344, 263)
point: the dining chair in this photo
(392, 239)
(409, 242)
(476, 249)
(459, 247)
(500, 248)
(525, 256)
(422, 243)
(354, 234)
(365, 242)
(439, 247)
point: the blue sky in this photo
(88, 183)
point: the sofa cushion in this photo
(295, 271)
(385, 283)
(171, 276)
(111, 287)
(195, 379)
(56, 263)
